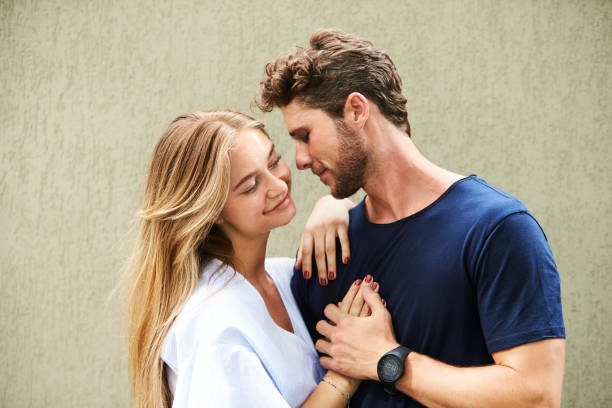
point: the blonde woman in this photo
(212, 322)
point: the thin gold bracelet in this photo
(345, 395)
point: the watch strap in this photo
(400, 354)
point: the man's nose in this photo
(303, 160)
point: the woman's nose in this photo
(278, 186)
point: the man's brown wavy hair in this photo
(324, 74)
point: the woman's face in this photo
(260, 187)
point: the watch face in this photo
(390, 368)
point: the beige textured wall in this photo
(518, 92)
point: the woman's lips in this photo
(282, 205)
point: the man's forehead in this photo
(297, 115)
(295, 110)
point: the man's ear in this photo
(356, 110)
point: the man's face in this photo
(332, 151)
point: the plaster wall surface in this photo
(517, 92)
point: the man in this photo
(473, 315)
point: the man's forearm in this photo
(436, 384)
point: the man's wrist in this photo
(392, 366)
(373, 374)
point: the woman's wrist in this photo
(345, 385)
(348, 203)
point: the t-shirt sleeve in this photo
(225, 375)
(518, 286)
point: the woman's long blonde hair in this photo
(186, 190)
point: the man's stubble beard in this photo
(350, 170)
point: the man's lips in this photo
(319, 172)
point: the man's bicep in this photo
(518, 286)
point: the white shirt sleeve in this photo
(226, 375)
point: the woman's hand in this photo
(354, 305)
(329, 219)
(353, 345)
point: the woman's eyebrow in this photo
(251, 174)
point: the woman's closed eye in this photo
(252, 187)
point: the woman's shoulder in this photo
(220, 310)
(216, 302)
(281, 269)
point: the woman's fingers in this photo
(330, 253)
(306, 255)
(349, 296)
(358, 302)
(329, 219)
(356, 305)
(298, 258)
(344, 243)
(365, 309)
(319, 248)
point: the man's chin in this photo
(340, 193)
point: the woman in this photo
(212, 322)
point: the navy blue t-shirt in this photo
(469, 275)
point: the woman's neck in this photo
(249, 257)
(249, 260)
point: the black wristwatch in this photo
(391, 367)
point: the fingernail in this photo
(358, 282)
(345, 260)
(323, 281)
(307, 274)
(374, 286)
(368, 278)
(332, 275)
(384, 302)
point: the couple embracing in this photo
(437, 289)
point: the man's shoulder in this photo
(483, 202)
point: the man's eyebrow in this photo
(251, 174)
(299, 133)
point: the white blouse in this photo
(224, 349)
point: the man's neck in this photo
(400, 180)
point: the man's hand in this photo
(329, 219)
(355, 344)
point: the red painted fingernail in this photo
(357, 282)
(323, 281)
(332, 275)
(345, 260)
(368, 278)
(374, 286)
(384, 302)
(307, 274)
